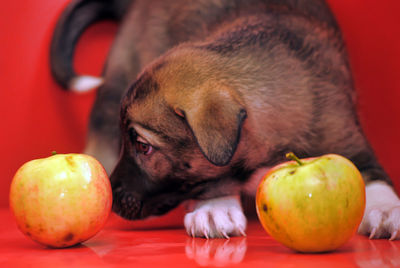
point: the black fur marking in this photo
(240, 172)
(107, 105)
(369, 167)
(158, 66)
(142, 87)
(171, 193)
(232, 41)
(132, 135)
(263, 35)
(295, 43)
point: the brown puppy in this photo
(215, 92)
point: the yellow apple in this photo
(312, 205)
(61, 200)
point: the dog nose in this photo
(126, 204)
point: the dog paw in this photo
(382, 212)
(219, 217)
(381, 222)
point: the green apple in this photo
(312, 205)
(61, 200)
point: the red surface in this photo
(38, 117)
(117, 245)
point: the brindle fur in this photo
(221, 88)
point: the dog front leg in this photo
(216, 218)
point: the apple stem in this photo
(292, 156)
(53, 153)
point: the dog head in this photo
(180, 125)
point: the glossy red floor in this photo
(149, 245)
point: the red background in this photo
(38, 117)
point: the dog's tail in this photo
(77, 16)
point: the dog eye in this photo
(143, 148)
(141, 145)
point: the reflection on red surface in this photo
(158, 246)
(216, 252)
(381, 253)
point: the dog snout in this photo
(137, 196)
(126, 204)
(128, 186)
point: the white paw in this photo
(382, 213)
(219, 217)
(382, 222)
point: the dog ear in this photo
(215, 118)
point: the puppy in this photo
(210, 95)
